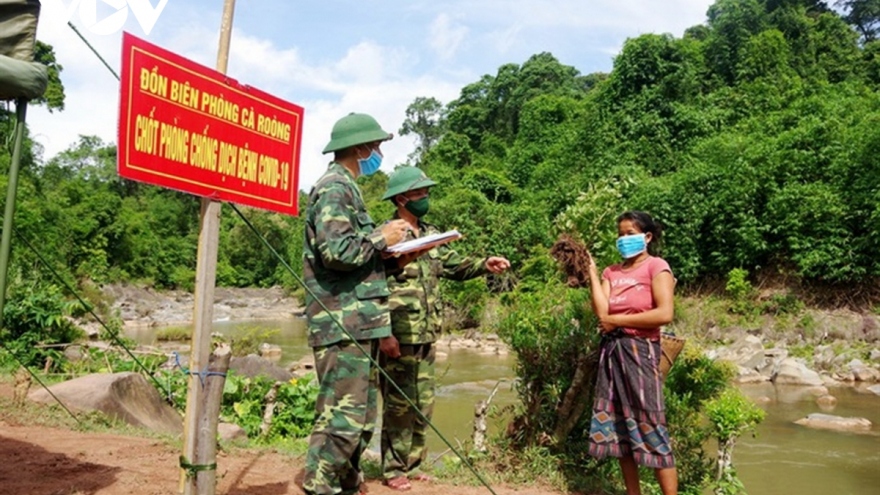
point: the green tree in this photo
(732, 23)
(864, 15)
(53, 98)
(424, 118)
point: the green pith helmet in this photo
(405, 179)
(355, 129)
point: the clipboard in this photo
(426, 242)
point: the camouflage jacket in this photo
(416, 307)
(342, 264)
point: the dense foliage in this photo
(753, 138)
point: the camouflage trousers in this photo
(403, 431)
(346, 416)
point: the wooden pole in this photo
(200, 439)
(11, 192)
(206, 440)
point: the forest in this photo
(753, 138)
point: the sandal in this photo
(399, 483)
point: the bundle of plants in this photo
(573, 259)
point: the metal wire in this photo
(361, 348)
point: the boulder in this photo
(823, 357)
(748, 375)
(229, 432)
(772, 358)
(874, 389)
(870, 328)
(743, 351)
(128, 397)
(252, 366)
(270, 351)
(838, 423)
(826, 402)
(875, 355)
(792, 372)
(866, 374)
(831, 382)
(862, 372)
(306, 363)
(73, 353)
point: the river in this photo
(783, 458)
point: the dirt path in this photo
(44, 460)
(53, 461)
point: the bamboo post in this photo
(200, 437)
(11, 190)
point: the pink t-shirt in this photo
(631, 291)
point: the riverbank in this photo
(821, 347)
(138, 306)
(754, 343)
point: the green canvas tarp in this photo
(20, 76)
(21, 79)
(18, 28)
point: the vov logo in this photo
(143, 10)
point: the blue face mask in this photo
(631, 245)
(370, 165)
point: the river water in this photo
(783, 458)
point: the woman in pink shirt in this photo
(633, 300)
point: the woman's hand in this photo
(591, 263)
(606, 325)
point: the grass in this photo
(174, 334)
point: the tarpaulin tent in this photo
(20, 76)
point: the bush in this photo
(741, 292)
(36, 316)
(244, 401)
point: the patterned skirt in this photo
(629, 417)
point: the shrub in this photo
(36, 316)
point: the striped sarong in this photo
(629, 417)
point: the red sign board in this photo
(184, 126)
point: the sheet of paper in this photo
(425, 242)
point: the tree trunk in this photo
(271, 397)
(480, 424)
(725, 461)
(574, 401)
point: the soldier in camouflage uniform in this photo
(344, 269)
(416, 314)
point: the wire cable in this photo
(114, 335)
(83, 38)
(361, 348)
